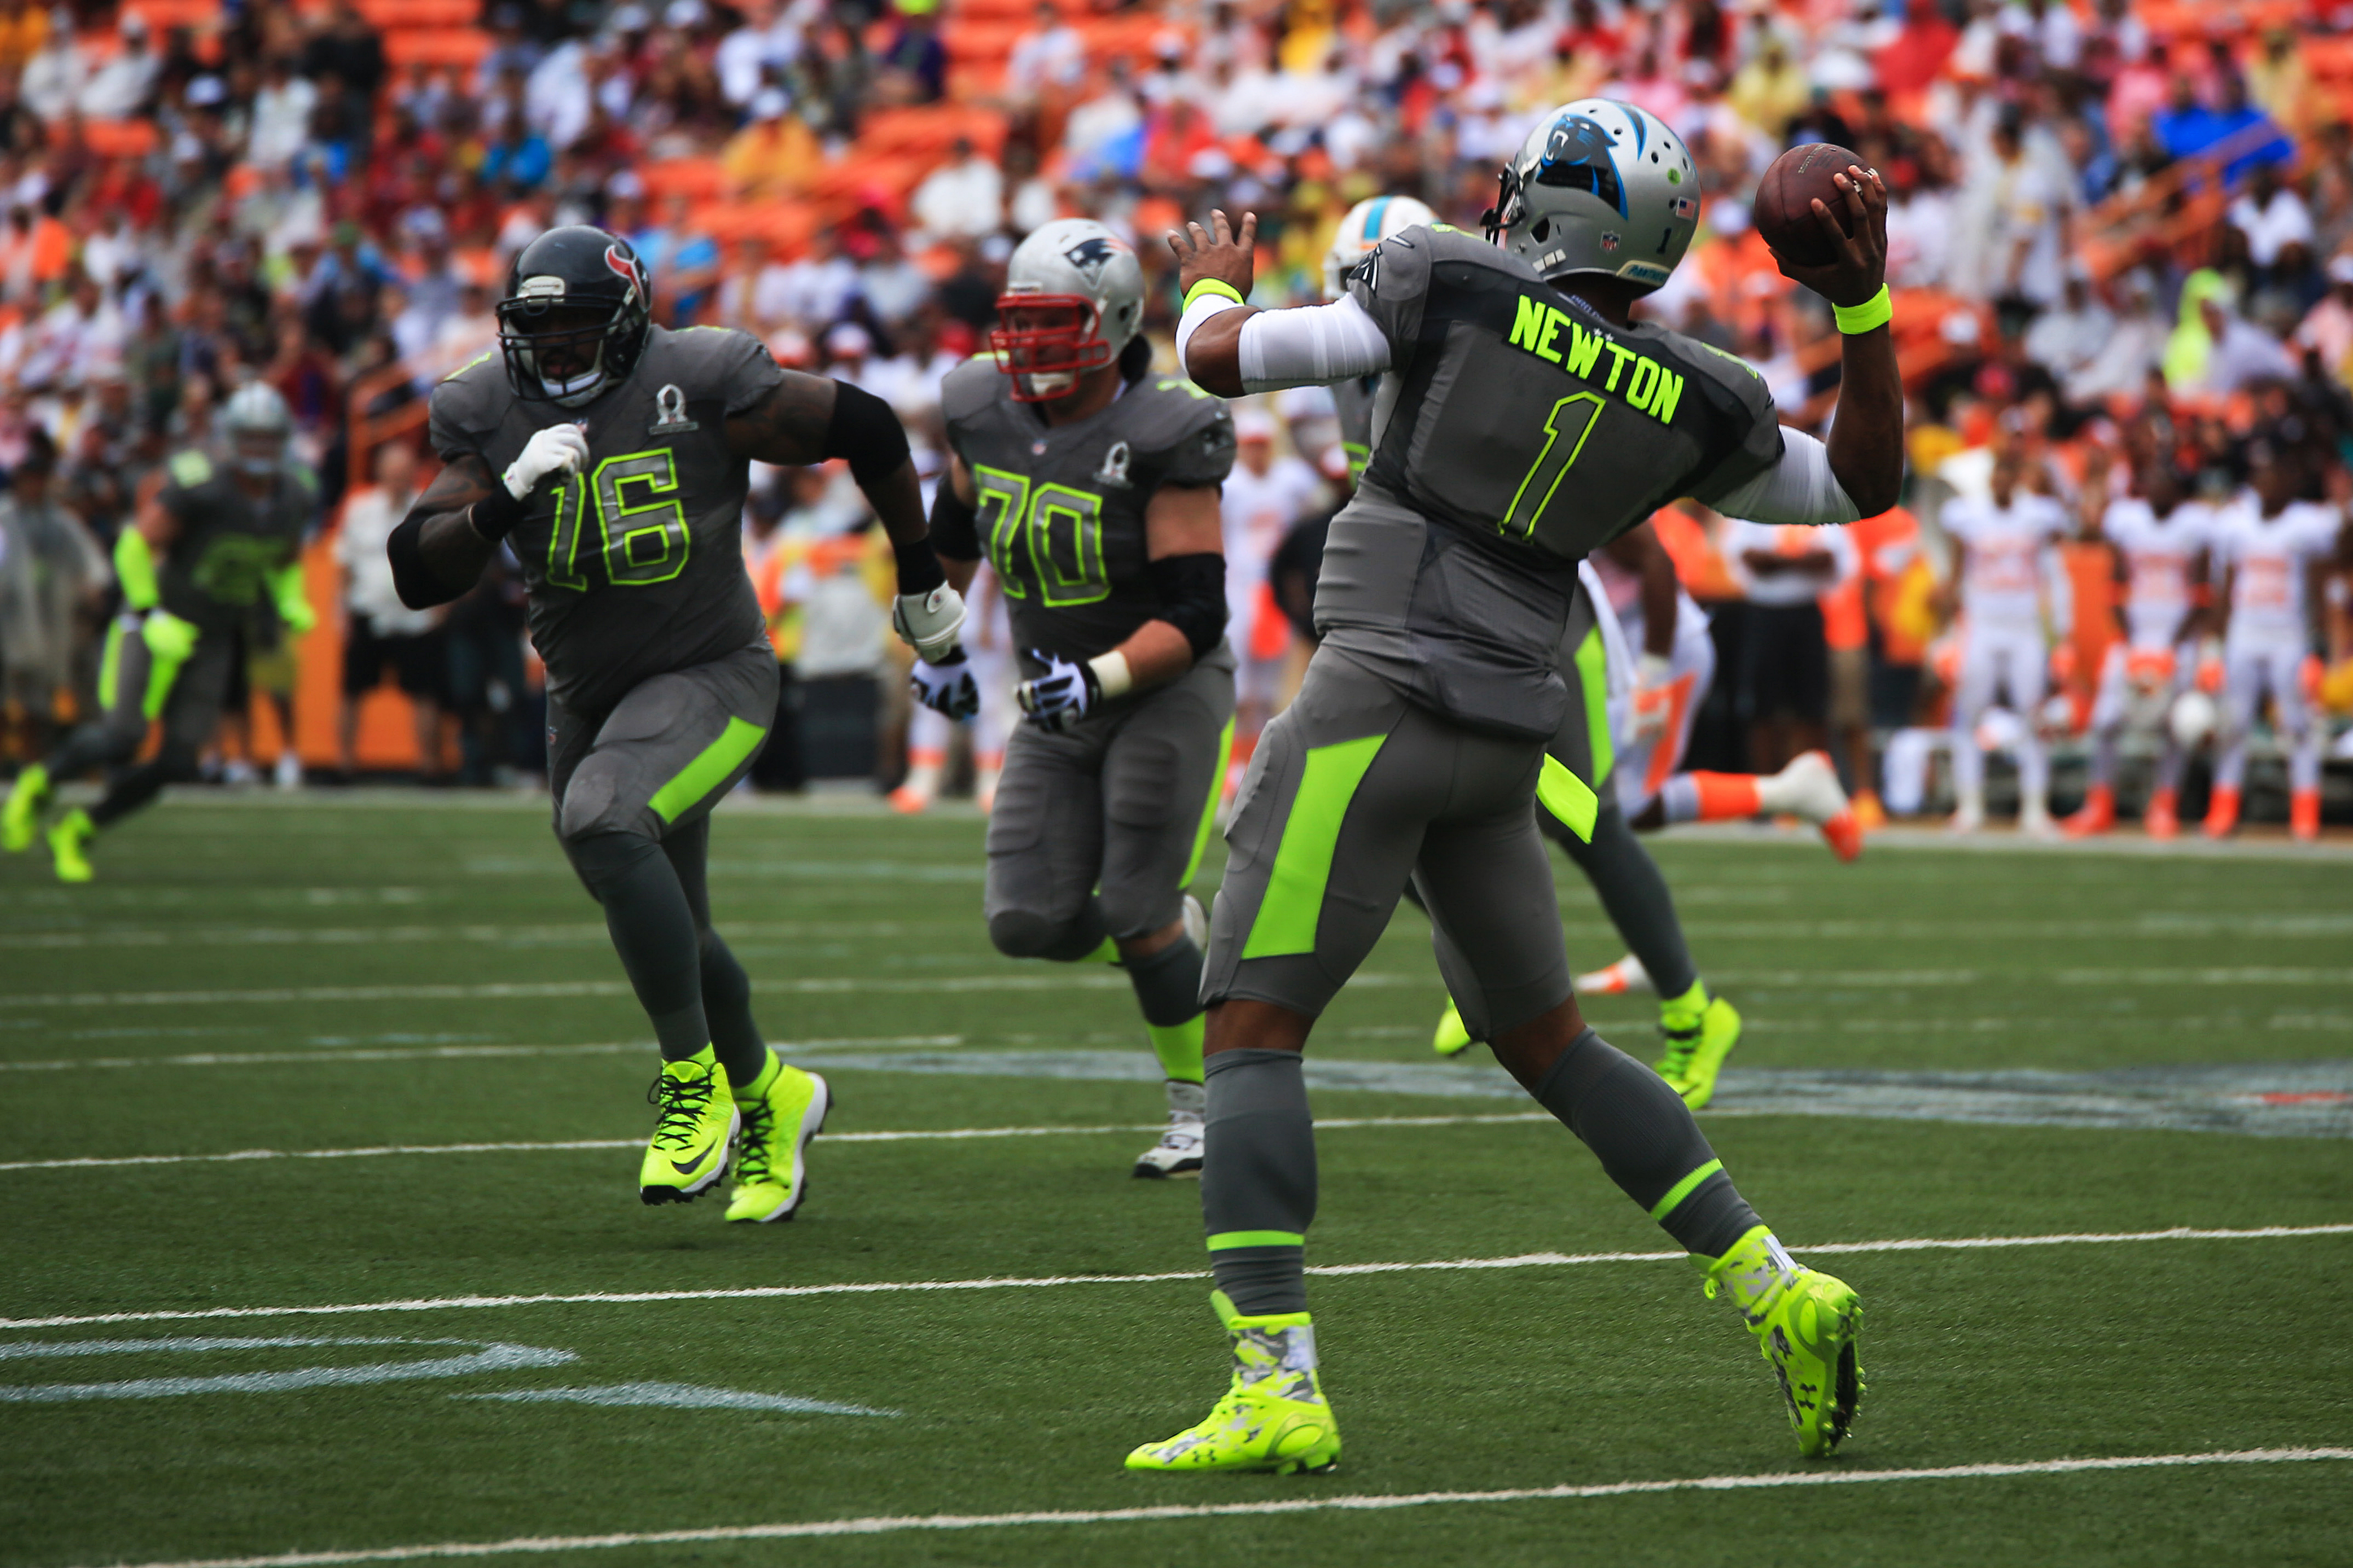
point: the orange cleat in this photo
(908, 801)
(2099, 814)
(1869, 814)
(2223, 814)
(2163, 817)
(1843, 834)
(2303, 814)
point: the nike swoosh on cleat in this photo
(687, 1167)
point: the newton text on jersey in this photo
(1652, 388)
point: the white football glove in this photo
(558, 450)
(1059, 698)
(1653, 689)
(947, 687)
(929, 623)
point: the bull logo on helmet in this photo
(1092, 255)
(1577, 155)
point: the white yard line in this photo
(443, 1053)
(892, 1287)
(1359, 1503)
(919, 1136)
(539, 989)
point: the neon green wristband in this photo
(134, 568)
(1875, 312)
(1211, 285)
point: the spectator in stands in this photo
(379, 631)
(1047, 62)
(2214, 348)
(123, 85)
(913, 67)
(775, 156)
(964, 196)
(2277, 223)
(2328, 330)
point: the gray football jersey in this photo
(1060, 509)
(1514, 431)
(636, 567)
(229, 542)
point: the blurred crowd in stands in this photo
(2122, 237)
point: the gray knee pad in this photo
(1025, 934)
(601, 860)
(1168, 984)
(594, 803)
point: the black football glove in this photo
(947, 687)
(1059, 698)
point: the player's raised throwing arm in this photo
(809, 419)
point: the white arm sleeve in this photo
(1314, 346)
(1800, 487)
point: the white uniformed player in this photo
(2160, 539)
(2000, 544)
(2265, 543)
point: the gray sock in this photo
(1168, 984)
(653, 930)
(727, 1012)
(1633, 892)
(1257, 1175)
(1647, 1142)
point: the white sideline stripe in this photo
(532, 989)
(1362, 1503)
(447, 1053)
(889, 1287)
(830, 1138)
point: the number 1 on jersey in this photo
(1565, 429)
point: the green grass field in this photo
(2022, 1045)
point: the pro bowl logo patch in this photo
(1092, 255)
(1114, 466)
(669, 413)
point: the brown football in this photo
(1785, 198)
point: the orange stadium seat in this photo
(464, 46)
(1126, 38)
(788, 227)
(163, 16)
(696, 179)
(981, 40)
(929, 133)
(120, 138)
(393, 15)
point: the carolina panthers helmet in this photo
(1368, 223)
(578, 309)
(1073, 298)
(1599, 187)
(258, 423)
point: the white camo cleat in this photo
(1179, 1153)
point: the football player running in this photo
(611, 455)
(1415, 746)
(2160, 540)
(203, 552)
(1090, 486)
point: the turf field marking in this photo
(581, 933)
(1360, 1503)
(892, 1287)
(537, 989)
(921, 1135)
(677, 1396)
(445, 1052)
(488, 1356)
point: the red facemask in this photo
(1049, 337)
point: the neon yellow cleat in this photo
(1805, 1324)
(20, 819)
(1451, 1038)
(689, 1149)
(69, 843)
(1273, 1418)
(772, 1148)
(1697, 1048)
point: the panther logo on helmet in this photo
(1577, 154)
(1092, 255)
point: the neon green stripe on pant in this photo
(1226, 1239)
(1210, 806)
(707, 771)
(1593, 673)
(1294, 904)
(109, 668)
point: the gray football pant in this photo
(1095, 832)
(135, 687)
(1353, 791)
(633, 789)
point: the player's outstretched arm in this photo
(437, 553)
(1866, 443)
(1230, 348)
(810, 418)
